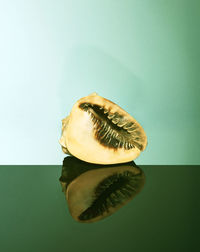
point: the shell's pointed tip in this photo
(93, 94)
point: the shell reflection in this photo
(94, 192)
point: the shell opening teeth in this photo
(130, 130)
(115, 120)
(128, 125)
(121, 124)
(110, 116)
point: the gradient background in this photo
(141, 54)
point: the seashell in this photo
(94, 192)
(99, 131)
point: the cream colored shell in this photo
(78, 134)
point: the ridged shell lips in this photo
(99, 131)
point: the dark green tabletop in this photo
(164, 216)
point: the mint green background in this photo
(141, 54)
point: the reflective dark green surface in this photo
(164, 216)
(95, 191)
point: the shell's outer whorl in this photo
(62, 140)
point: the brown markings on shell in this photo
(100, 119)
